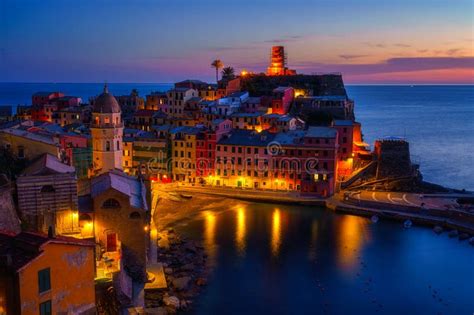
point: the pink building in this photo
(282, 99)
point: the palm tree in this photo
(228, 73)
(218, 64)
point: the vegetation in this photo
(228, 73)
(217, 64)
(10, 165)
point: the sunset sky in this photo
(423, 41)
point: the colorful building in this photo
(281, 100)
(41, 274)
(278, 62)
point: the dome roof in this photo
(106, 103)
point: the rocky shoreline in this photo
(185, 269)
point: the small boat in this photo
(186, 196)
(453, 233)
(374, 218)
(438, 229)
(407, 224)
(471, 241)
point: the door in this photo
(112, 242)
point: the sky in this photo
(368, 41)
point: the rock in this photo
(438, 229)
(188, 267)
(168, 270)
(463, 236)
(201, 282)
(181, 283)
(172, 301)
(156, 311)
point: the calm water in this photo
(271, 259)
(437, 120)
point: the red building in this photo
(206, 146)
(278, 62)
(42, 98)
(282, 99)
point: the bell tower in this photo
(107, 132)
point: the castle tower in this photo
(278, 62)
(107, 132)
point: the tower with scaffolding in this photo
(278, 61)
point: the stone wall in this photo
(393, 157)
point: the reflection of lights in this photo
(276, 232)
(351, 238)
(240, 231)
(209, 234)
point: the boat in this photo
(471, 241)
(374, 218)
(438, 229)
(453, 233)
(407, 224)
(186, 196)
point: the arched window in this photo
(107, 120)
(107, 146)
(111, 204)
(135, 215)
(47, 189)
(118, 145)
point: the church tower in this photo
(107, 132)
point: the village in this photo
(81, 182)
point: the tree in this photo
(218, 64)
(228, 73)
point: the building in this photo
(47, 197)
(150, 156)
(42, 274)
(120, 225)
(29, 145)
(183, 153)
(42, 98)
(107, 132)
(155, 101)
(278, 62)
(206, 147)
(177, 99)
(281, 99)
(250, 121)
(280, 123)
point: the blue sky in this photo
(165, 41)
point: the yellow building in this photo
(183, 153)
(28, 145)
(46, 275)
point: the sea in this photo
(287, 259)
(437, 120)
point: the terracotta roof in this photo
(17, 251)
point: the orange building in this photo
(45, 275)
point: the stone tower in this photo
(107, 132)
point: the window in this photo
(45, 308)
(107, 146)
(135, 215)
(47, 188)
(110, 204)
(118, 145)
(44, 280)
(21, 152)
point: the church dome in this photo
(106, 103)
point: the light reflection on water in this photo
(268, 259)
(240, 231)
(276, 232)
(353, 235)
